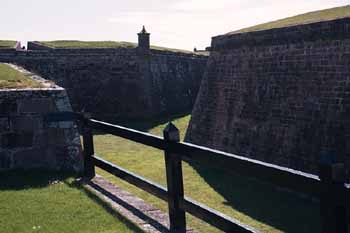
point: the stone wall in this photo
(27, 140)
(175, 81)
(281, 95)
(119, 81)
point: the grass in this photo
(11, 78)
(87, 44)
(101, 44)
(259, 205)
(7, 43)
(51, 203)
(310, 17)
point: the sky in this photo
(183, 24)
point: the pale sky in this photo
(172, 23)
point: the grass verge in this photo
(76, 44)
(49, 202)
(250, 201)
(11, 78)
(7, 43)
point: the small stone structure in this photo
(144, 39)
(27, 140)
(279, 95)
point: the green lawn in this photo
(310, 17)
(11, 78)
(7, 43)
(259, 205)
(52, 203)
(101, 44)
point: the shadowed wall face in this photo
(281, 96)
(119, 82)
(28, 141)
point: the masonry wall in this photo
(119, 82)
(27, 141)
(175, 81)
(281, 95)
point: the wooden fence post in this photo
(174, 181)
(88, 143)
(333, 205)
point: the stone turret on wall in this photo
(144, 40)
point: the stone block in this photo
(44, 105)
(12, 140)
(26, 123)
(66, 124)
(32, 158)
(51, 137)
(8, 107)
(4, 124)
(5, 160)
(56, 136)
(58, 157)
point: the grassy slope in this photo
(7, 43)
(36, 202)
(101, 44)
(310, 17)
(87, 44)
(256, 204)
(11, 78)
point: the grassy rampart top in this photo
(11, 78)
(77, 44)
(7, 43)
(306, 18)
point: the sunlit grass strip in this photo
(7, 43)
(53, 203)
(11, 78)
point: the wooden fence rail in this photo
(329, 186)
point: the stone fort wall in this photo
(279, 95)
(122, 81)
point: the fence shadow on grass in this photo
(107, 207)
(285, 211)
(265, 203)
(120, 202)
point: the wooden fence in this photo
(329, 186)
